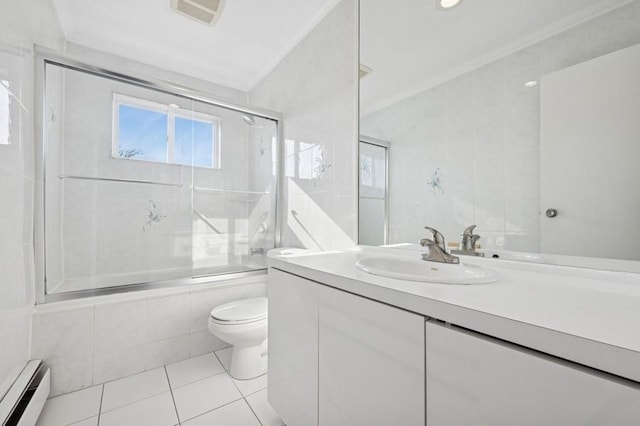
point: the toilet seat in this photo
(241, 311)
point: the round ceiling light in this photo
(447, 4)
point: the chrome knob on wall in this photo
(551, 213)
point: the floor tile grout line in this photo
(175, 406)
(252, 410)
(136, 401)
(247, 380)
(234, 383)
(196, 381)
(254, 392)
(123, 377)
(219, 359)
(214, 409)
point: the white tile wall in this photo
(120, 325)
(315, 87)
(167, 351)
(103, 339)
(482, 130)
(63, 335)
(165, 317)
(72, 375)
(202, 342)
(21, 24)
(112, 365)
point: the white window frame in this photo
(172, 111)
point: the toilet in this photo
(243, 324)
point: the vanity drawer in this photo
(475, 379)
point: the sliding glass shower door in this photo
(145, 186)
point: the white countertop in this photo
(586, 316)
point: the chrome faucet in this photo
(437, 248)
(469, 239)
(468, 243)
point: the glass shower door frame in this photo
(46, 57)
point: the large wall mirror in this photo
(519, 116)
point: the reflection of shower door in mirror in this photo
(373, 192)
(590, 139)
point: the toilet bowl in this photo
(243, 324)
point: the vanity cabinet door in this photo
(293, 348)
(371, 363)
(476, 380)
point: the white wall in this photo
(482, 130)
(21, 23)
(315, 87)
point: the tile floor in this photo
(195, 392)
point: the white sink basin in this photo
(426, 271)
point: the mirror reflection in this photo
(517, 116)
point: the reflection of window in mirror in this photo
(373, 203)
(5, 118)
(150, 131)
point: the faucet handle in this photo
(469, 230)
(469, 239)
(438, 238)
(426, 242)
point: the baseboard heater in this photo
(23, 402)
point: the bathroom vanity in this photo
(543, 345)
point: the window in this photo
(150, 131)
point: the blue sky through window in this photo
(193, 141)
(144, 133)
(142, 130)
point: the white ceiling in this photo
(250, 38)
(412, 46)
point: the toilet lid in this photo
(244, 310)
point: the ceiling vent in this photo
(204, 11)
